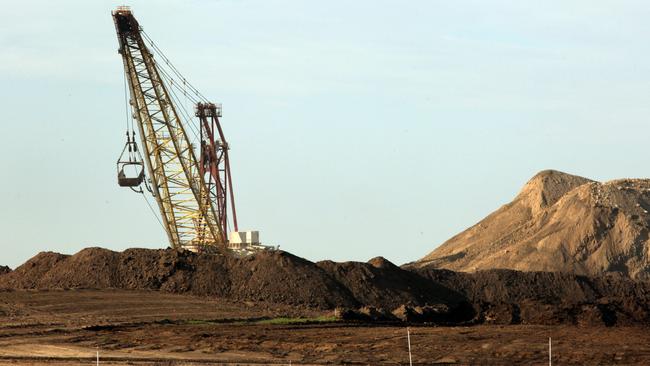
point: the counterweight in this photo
(189, 212)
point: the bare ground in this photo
(61, 327)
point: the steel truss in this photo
(178, 183)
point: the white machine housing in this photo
(240, 240)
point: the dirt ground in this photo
(153, 328)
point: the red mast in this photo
(215, 165)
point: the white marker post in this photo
(408, 337)
(98, 358)
(550, 353)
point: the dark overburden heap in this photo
(269, 276)
(377, 290)
(514, 297)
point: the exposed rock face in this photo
(559, 222)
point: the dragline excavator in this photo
(182, 161)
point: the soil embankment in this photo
(377, 290)
(514, 297)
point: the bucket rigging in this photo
(130, 165)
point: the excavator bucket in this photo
(130, 180)
(130, 166)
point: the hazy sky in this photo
(358, 128)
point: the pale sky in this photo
(357, 128)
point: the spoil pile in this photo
(559, 223)
(269, 276)
(514, 297)
(399, 294)
(377, 290)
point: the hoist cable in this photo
(174, 83)
(126, 104)
(172, 67)
(167, 68)
(153, 211)
(185, 114)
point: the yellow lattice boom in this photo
(188, 215)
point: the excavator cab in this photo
(130, 166)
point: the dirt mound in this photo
(281, 277)
(373, 291)
(270, 276)
(30, 273)
(383, 284)
(267, 276)
(559, 223)
(546, 188)
(514, 297)
(380, 282)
